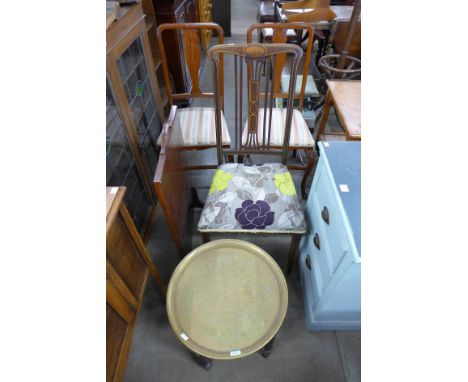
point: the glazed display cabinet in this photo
(134, 114)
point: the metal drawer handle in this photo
(308, 262)
(317, 241)
(325, 215)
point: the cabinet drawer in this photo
(329, 219)
(315, 274)
(309, 281)
(320, 259)
(321, 256)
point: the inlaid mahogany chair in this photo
(301, 137)
(196, 124)
(258, 198)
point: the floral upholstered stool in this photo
(253, 199)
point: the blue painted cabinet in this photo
(330, 253)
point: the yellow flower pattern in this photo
(285, 183)
(220, 181)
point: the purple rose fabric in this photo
(252, 201)
(254, 215)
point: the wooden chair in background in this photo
(306, 4)
(258, 198)
(301, 137)
(315, 16)
(196, 124)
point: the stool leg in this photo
(206, 363)
(292, 252)
(266, 350)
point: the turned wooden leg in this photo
(266, 350)
(292, 252)
(205, 237)
(206, 363)
(307, 171)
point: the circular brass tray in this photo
(227, 299)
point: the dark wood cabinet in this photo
(222, 15)
(176, 11)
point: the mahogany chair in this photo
(196, 124)
(257, 198)
(301, 137)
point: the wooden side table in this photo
(227, 299)
(345, 96)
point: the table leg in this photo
(206, 363)
(266, 350)
(325, 113)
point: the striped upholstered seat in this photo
(300, 133)
(195, 126)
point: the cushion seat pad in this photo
(252, 198)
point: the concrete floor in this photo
(299, 355)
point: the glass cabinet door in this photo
(136, 82)
(121, 168)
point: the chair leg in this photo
(205, 237)
(307, 171)
(292, 252)
(195, 201)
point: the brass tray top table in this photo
(227, 299)
(346, 97)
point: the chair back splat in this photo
(260, 61)
(280, 35)
(190, 33)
